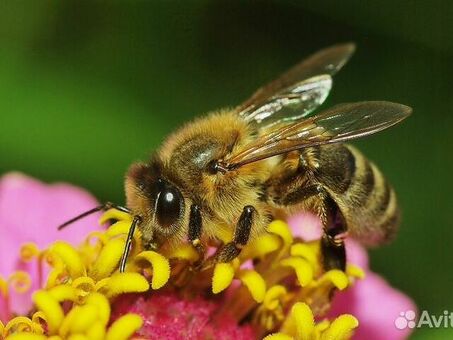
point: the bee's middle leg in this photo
(231, 250)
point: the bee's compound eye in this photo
(169, 205)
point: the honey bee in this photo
(225, 176)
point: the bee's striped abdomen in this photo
(364, 197)
(369, 204)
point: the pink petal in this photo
(376, 305)
(306, 226)
(30, 211)
(3, 310)
(356, 254)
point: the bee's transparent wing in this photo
(299, 91)
(293, 102)
(338, 124)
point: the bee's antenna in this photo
(127, 247)
(105, 206)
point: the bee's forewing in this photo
(338, 124)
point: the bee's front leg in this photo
(229, 251)
(195, 230)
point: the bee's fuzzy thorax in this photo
(184, 157)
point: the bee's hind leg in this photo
(333, 252)
(332, 243)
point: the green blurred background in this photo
(86, 88)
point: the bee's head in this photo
(156, 200)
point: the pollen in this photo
(277, 285)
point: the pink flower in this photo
(276, 284)
(374, 302)
(168, 315)
(30, 211)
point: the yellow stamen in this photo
(51, 309)
(83, 317)
(160, 265)
(19, 324)
(58, 273)
(222, 277)
(184, 252)
(121, 228)
(254, 282)
(124, 327)
(305, 251)
(115, 214)
(273, 296)
(70, 258)
(281, 229)
(101, 284)
(108, 259)
(120, 283)
(102, 305)
(337, 277)
(96, 331)
(83, 286)
(20, 281)
(38, 317)
(304, 271)
(100, 236)
(355, 271)
(29, 251)
(341, 328)
(303, 320)
(62, 293)
(78, 320)
(262, 246)
(322, 326)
